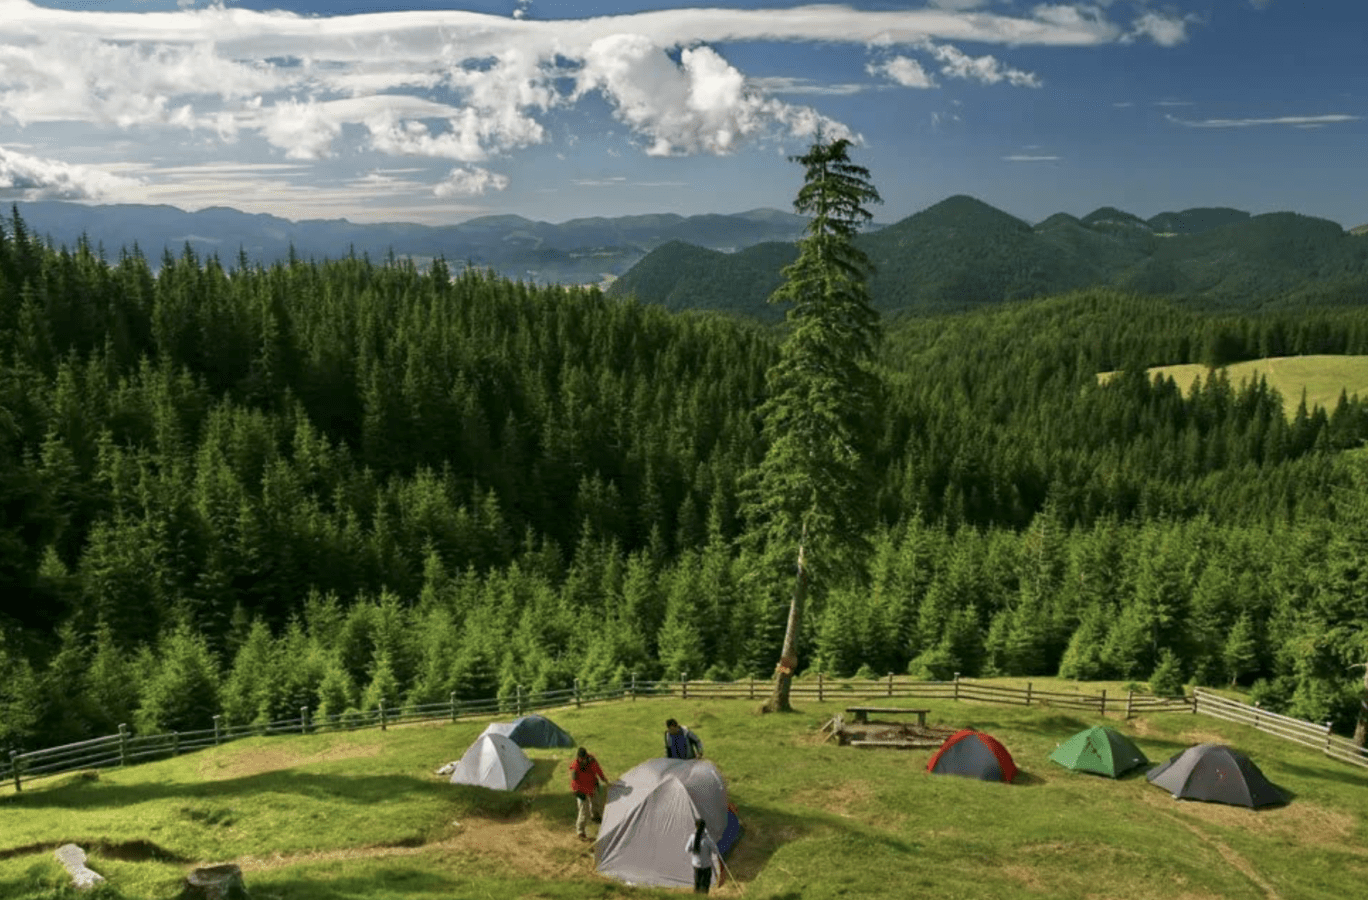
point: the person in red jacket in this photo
(585, 775)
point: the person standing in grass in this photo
(585, 775)
(702, 851)
(681, 743)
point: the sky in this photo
(437, 111)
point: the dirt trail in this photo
(1236, 861)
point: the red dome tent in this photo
(973, 755)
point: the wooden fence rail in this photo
(1297, 731)
(126, 748)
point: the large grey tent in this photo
(493, 761)
(1217, 773)
(650, 814)
(532, 731)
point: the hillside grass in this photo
(350, 816)
(1323, 377)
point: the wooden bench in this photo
(862, 712)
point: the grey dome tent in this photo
(650, 814)
(532, 731)
(493, 761)
(1216, 773)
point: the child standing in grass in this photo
(702, 851)
(585, 775)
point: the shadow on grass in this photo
(1350, 776)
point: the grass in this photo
(344, 817)
(1322, 377)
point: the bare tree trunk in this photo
(1361, 726)
(788, 660)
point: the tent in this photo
(650, 814)
(973, 755)
(493, 761)
(1217, 773)
(532, 731)
(1099, 749)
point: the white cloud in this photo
(1024, 157)
(1299, 121)
(35, 178)
(1164, 30)
(778, 84)
(903, 70)
(470, 180)
(986, 69)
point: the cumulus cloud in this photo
(1298, 121)
(986, 69)
(35, 178)
(1164, 30)
(468, 181)
(902, 70)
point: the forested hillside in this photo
(247, 489)
(962, 253)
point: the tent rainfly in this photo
(650, 814)
(973, 755)
(1216, 773)
(1100, 749)
(493, 761)
(532, 731)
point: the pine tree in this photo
(811, 502)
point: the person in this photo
(702, 851)
(585, 775)
(681, 743)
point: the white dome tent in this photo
(493, 761)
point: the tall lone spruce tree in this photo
(810, 500)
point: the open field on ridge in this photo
(1322, 377)
(350, 816)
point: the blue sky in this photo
(436, 112)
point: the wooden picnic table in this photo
(862, 712)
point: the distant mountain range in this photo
(961, 253)
(577, 251)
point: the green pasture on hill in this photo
(351, 816)
(1322, 377)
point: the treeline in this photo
(252, 489)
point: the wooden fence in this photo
(126, 748)
(1298, 731)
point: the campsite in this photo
(346, 816)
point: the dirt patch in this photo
(1203, 737)
(1026, 875)
(843, 800)
(1298, 822)
(1232, 857)
(260, 760)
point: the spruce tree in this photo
(810, 502)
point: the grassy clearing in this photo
(343, 817)
(1322, 377)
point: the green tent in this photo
(1099, 749)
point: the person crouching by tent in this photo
(702, 851)
(585, 775)
(681, 743)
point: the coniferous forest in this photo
(239, 489)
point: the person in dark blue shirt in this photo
(681, 743)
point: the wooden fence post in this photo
(890, 684)
(175, 743)
(1028, 693)
(1130, 701)
(1328, 735)
(633, 687)
(1102, 707)
(1256, 715)
(123, 744)
(577, 694)
(303, 720)
(752, 687)
(517, 699)
(382, 713)
(956, 685)
(14, 769)
(819, 687)
(684, 685)
(455, 705)
(218, 733)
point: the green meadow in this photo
(362, 815)
(1323, 378)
